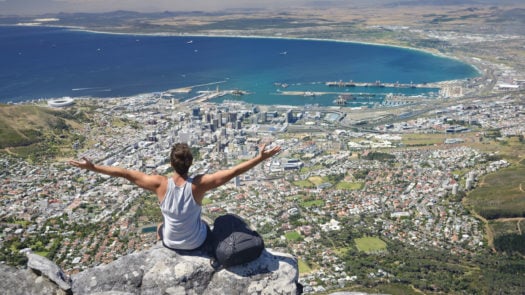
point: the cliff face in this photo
(156, 271)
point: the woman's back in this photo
(183, 228)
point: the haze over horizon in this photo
(38, 7)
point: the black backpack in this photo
(234, 242)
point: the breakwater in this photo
(380, 84)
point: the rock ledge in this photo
(157, 271)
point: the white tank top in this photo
(183, 226)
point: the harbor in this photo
(380, 84)
(379, 94)
(371, 94)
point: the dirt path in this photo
(488, 229)
(517, 219)
(9, 151)
(509, 219)
(416, 290)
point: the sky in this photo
(33, 7)
(37, 7)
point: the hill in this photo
(33, 131)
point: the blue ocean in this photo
(47, 62)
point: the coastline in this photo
(184, 35)
(211, 35)
(166, 34)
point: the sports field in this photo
(370, 244)
(350, 185)
(313, 203)
(292, 236)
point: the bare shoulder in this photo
(162, 186)
(157, 180)
(198, 186)
(197, 181)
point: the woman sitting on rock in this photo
(180, 196)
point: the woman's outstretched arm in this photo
(143, 180)
(207, 182)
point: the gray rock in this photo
(122, 275)
(271, 273)
(46, 267)
(156, 271)
(162, 271)
(24, 281)
(172, 273)
(354, 293)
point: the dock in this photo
(320, 93)
(206, 95)
(379, 84)
(188, 89)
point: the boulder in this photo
(43, 266)
(162, 271)
(25, 281)
(156, 271)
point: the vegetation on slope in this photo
(37, 132)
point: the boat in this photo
(342, 99)
(238, 92)
(278, 84)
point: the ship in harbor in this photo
(343, 99)
(378, 84)
(283, 85)
(238, 92)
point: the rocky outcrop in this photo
(26, 281)
(157, 271)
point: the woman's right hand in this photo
(267, 153)
(84, 164)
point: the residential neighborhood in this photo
(322, 183)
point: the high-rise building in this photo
(232, 117)
(289, 116)
(184, 137)
(218, 146)
(219, 119)
(196, 112)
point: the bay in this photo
(49, 62)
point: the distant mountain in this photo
(452, 2)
